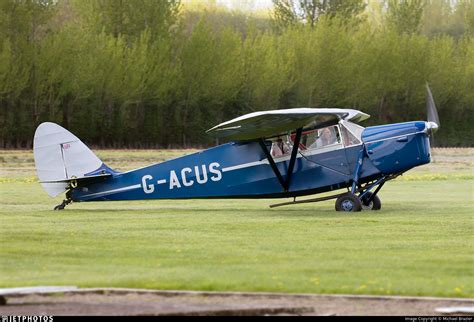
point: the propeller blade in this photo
(431, 108)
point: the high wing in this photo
(270, 123)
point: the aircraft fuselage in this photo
(242, 170)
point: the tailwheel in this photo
(348, 202)
(374, 204)
(63, 204)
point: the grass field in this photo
(420, 243)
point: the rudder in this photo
(61, 156)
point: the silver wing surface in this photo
(271, 123)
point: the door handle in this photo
(403, 139)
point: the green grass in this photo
(420, 243)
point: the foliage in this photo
(404, 16)
(154, 75)
(290, 12)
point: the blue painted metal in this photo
(103, 169)
(378, 132)
(396, 148)
(355, 179)
(241, 170)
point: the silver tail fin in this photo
(60, 157)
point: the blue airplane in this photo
(270, 154)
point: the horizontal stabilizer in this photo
(79, 179)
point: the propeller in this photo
(433, 118)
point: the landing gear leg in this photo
(370, 200)
(349, 201)
(65, 202)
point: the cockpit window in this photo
(349, 138)
(351, 133)
(279, 148)
(327, 136)
(346, 133)
(319, 138)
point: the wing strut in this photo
(294, 152)
(272, 162)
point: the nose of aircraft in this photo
(431, 127)
(395, 148)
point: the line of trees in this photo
(149, 73)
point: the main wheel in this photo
(375, 203)
(348, 202)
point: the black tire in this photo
(375, 204)
(60, 206)
(348, 203)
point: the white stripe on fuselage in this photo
(245, 165)
(227, 169)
